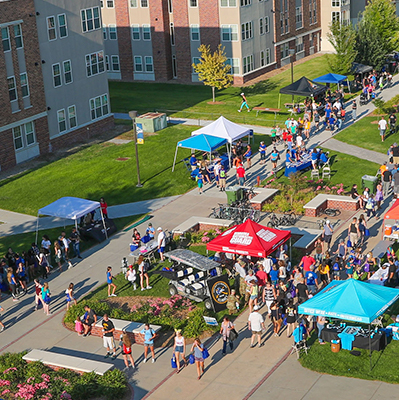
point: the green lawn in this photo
(366, 135)
(95, 172)
(191, 101)
(385, 364)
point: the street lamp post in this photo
(133, 115)
(292, 52)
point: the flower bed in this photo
(35, 381)
(203, 237)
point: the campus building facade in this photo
(158, 40)
(53, 81)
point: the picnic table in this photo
(147, 250)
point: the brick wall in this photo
(7, 153)
(124, 39)
(209, 23)
(134, 337)
(341, 205)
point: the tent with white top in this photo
(70, 208)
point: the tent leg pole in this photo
(370, 345)
(105, 227)
(37, 227)
(174, 161)
(291, 251)
(279, 100)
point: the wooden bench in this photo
(322, 201)
(132, 329)
(57, 361)
(263, 195)
(267, 109)
(194, 224)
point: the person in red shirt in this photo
(306, 262)
(104, 207)
(261, 276)
(285, 135)
(241, 175)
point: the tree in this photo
(212, 68)
(343, 38)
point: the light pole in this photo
(133, 115)
(292, 52)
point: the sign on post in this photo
(140, 133)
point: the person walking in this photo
(198, 356)
(386, 181)
(262, 152)
(327, 234)
(379, 196)
(110, 283)
(127, 351)
(382, 126)
(241, 175)
(46, 298)
(179, 348)
(225, 329)
(143, 273)
(248, 155)
(353, 232)
(149, 336)
(222, 179)
(274, 157)
(74, 237)
(200, 182)
(12, 283)
(370, 207)
(256, 324)
(69, 296)
(320, 326)
(161, 243)
(38, 294)
(108, 336)
(58, 255)
(354, 109)
(244, 102)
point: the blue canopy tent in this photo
(200, 142)
(332, 78)
(351, 300)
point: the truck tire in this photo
(208, 304)
(172, 290)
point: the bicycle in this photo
(321, 223)
(290, 218)
(274, 221)
(331, 212)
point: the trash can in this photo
(369, 182)
(234, 193)
(335, 346)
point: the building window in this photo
(138, 64)
(284, 16)
(5, 36)
(195, 32)
(268, 60)
(170, 6)
(335, 3)
(234, 65)
(112, 32)
(61, 121)
(17, 133)
(261, 30)
(248, 63)
(196, 60)
(267, 25)
(51, 32)
(62, 25)
(67, 72)
(245, 3)
(12, 90)
(29, 133)
(107, 63)
(174, 67)
(104, 32)
(193, 3)
(172, 34)
(311, 40)
(314, 11)
(299, 44)
(298, 17)
(133, 3)
(228, 3)
(90, 19)
(246, 31)
(57, 75)
(115, 63)
(335, 16)
(144, 3)
(101, 3)
(95, 63)
(18, 36)
(135, 32)
(149, 66)
(99, 106)
(262, 58)
(24, 84)
(284, 48)
(110, 3)
(229, 33)
(72, 117)
(146, 32)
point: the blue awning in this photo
(350, 300)
(330, 78)
(202, 142)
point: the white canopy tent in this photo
(70, 208)
(225, 129)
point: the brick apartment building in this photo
(53, 84)
(158, 40)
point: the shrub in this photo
(196, 324)
(74, 313)
(113, 384)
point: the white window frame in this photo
(116, 63)
(107, 66)
(6, 39)
(229, 31)
(72, 109)
(144, 2)
(191, 2)
(18, 36)
(56, 76)
(284, 50)
(261, 27)
(105, 35)
(194, 30)
(196, 60)
(268, 59)
(262, 57)
(138, 60)
(28, 133)
(267, 24)
(335, 3)
(99, 61)
(334, 14)
(26, 85)
(85, 19)
(133, 4)
(13, 87)
(298, 18)
(299, 44)
(246, 31)
(248, 64)
(67, 72)
(228, 3)
(97, 105)
(136, 30)
(146, 32)
(19, 137)
(148, 64)
(245, 3)
(62, 26)
(112, 2)
(112, 31)
(234, 65)
(52, 28)
(61, 120)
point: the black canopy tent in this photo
(303, 87)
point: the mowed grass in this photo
(192, 100)
(95, 172)
(366, 135)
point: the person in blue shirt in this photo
(149, 336)
(200, 182)
(323, 157)
(311, 280)
(262, 152)
(336, 269)
(274, 275)
(150, 231)
(21, 273)
(110, 283)
(289, 158)
(274, 156)
(315, 158)
(330, 123)
(193, 162)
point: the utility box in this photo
(152, 122)
(370, 182)
(234, 193)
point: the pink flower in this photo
(5, 391)
(206, 233)
(320, 180)
(205, 239)
(334, 187)
(9, 369)
(4, 382)
(318, 187)
(339, 191)
(327, 188)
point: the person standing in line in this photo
(386, 181)
(243, 102)
(127, 351)
(222, 179)
(353, 232)
(382, 126)
(291, 314)
(200, 182)
(46, 298)
(69, 296)
(379, 196)
(12, 283)
(327, 233)
(161, 243)
(262, 152)
(241, 175)
(46, 245)
(38, 294)
(256, 324)
(58, 255)
(225, 329)
(108, 336)
(149, 336)
(198, 356)
(65, 248)
(179, 348)
(248, 155)
(104, 207)
(21, 274)
(110, 283)
(74, 237)
(44, 266)
(216, 171)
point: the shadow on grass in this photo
(260, 87)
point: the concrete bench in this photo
(132, 329)
(194, 224)
(263, 195)
(322, 201)
(307, 238)
(57, 361)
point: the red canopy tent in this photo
(393, 212)
(249, 239)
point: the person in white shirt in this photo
(267, 264)
(338, 105)
(161, 243)
(256, 324)
(382, 126)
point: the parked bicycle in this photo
(285, 220)
(331, 212)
